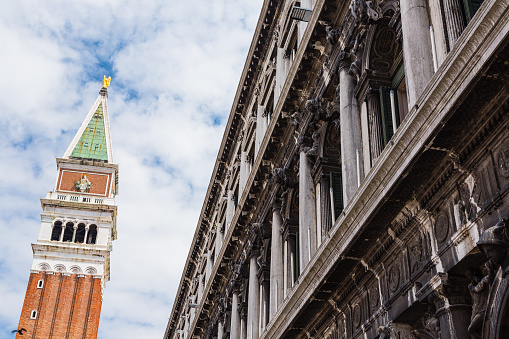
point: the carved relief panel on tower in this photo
(84, 182)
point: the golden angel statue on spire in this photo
(106, 81)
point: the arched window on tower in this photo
(80, 234)
(57, 231)
(68, 232)
(92, 234)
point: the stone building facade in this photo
(365, 158)
(71, 258)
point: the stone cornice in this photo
(464, 63)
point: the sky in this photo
(175, 67)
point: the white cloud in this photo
(175, 68)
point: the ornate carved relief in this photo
(394, 278)
(341, 328)
(294, 207)
(316, 137)
(417, 253)
(384, 49)
(332, 143)
(430, 326)
(283, 177)
(356, 315)
(319, 109)
(503, 161)
(333, 34)
(374, 297)
(364, 11)
(441, 226)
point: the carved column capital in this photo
(276, 205)
(304, 143)
(344, 60)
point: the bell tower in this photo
(71, 258)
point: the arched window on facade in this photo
(68, 232)
(57, 231)
(92, 234)
(80, 234)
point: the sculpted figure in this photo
(316, 107)
(493, 242)
(356, 52)
(384, 332)
(364, 11)
(333, 34)
(316, 142)
(479, 290)
(431, 325)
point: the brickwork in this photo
(67, 307)
(94, 310)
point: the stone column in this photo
(253, 301)
(307, 210)
(220, 329)
(219, 238)
(62, 232)
(276, 261)
(74, 228)
(292, 258)
(351, 139)
(325, 205)
(376, 142)
(285, 267)
(242, 173)
(186, 325)
(281, 72)
(454, 20)
(230, 209)
(243, 327)
(260, 128)
(453, 310)
(208, 265)
(265, 300)
(200, 287)
(416, 48)
(235, 318)
(86, 234)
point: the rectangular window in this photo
(296, 272)
(386, 110)
(471, 7)
(394, 95)
(336, 183)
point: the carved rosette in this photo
(374, 298)
(394, 278)
(441, 227)
(356, 315)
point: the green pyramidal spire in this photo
(92, 141)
